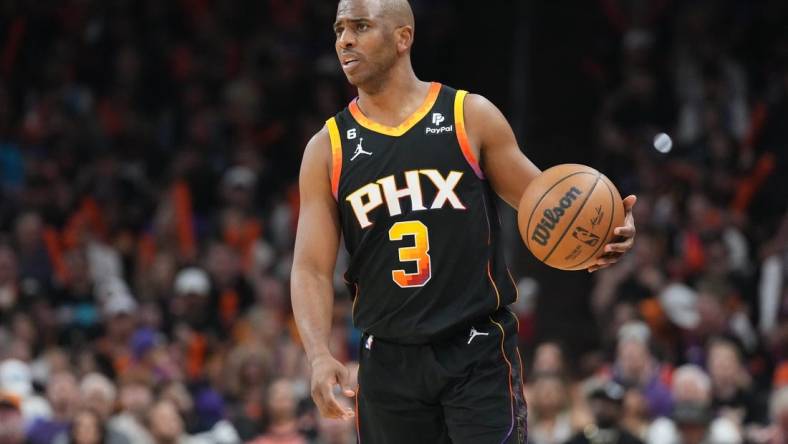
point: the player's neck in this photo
(393, 99)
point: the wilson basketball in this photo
(567, 215)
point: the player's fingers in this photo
(629, 202)
(327, 404)
(607, 260)
(345, 382)
(622, 247)
(627, 231)
(324, 399)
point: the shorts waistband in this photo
(461, 329)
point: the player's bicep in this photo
(507, 168)
(317, 236)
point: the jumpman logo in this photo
(359, 150)
(475, 333)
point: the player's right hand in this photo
(327, 372)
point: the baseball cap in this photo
(634, 331)
(119, 303)
(610, 390)
(680, 304)
(16, 378)
(192, 280)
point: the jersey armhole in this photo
(462, 136)
(336, 155)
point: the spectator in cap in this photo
(119, 309)
(12, 429)
(606, 402)
(17, 380)
(238, 186)
(192, 301)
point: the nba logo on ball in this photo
(567, 215)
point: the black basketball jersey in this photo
(419, 221)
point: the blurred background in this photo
(149, 151)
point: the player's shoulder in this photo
(477, 103)
(318, 148)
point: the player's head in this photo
(372, 38)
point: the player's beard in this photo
(378, 70)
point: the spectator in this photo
(606, 406)
(63, 397)
(135, 401)
(16, 379)
(98, 393)
(636, 367)
(9, 286)
(693, 418)
(549, 417)
(87, 428)
(732, 391)
(281, 407)
(165, 424)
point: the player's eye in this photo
(361, 27)
(338, 31)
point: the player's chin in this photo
(354, 79)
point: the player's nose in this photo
(346, 39)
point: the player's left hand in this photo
(624, 240)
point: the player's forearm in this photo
(312, 296)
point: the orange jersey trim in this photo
(462, 136)
(336, 155)
(495, 287)
(402, 128)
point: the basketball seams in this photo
(541, 198)
(607, 231)
(571, 222)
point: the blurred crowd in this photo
(148, 159)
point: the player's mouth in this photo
(349, 62)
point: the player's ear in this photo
(404, 37)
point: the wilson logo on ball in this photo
(552, 216)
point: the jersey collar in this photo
(402, 128)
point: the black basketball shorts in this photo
(466, 389)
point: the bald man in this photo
(407, 173)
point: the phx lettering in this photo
(552, 216)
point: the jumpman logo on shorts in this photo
(359, 150)
(475, 333)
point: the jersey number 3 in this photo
(418, 253)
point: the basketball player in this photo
(406, 173)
